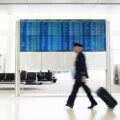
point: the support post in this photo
(17, 60)
(108, 58)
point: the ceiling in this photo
(59, 1)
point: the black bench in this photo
(2, 77)
(31, 78)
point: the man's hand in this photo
(83, 79)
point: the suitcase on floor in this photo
(106, 97)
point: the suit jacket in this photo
(80, 66)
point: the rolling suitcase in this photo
(106, 97)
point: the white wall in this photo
(47, 60)
(96, 60)
(60, 60)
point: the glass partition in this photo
(7, 58)
(46, 56)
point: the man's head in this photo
(22, 70)
(40, 72)
(77, 47)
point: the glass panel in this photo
(47, 58)
(115, 76)
(7, 56)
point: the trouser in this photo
(77, 85)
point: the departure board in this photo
(59, 35)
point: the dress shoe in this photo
(68, 106)
(92, 106)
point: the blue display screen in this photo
(59, 35)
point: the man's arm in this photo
(83, 67)
(83, 73)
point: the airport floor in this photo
(61, 87)
(53, 108)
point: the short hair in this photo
(77, 44)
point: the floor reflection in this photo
(109, 115)
(71, 114)
(17, 109)
(93, 114)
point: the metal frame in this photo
(108, 58)
(17, 59)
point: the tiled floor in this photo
(52, 108)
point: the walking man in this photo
(80, 78)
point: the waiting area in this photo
(27, 78)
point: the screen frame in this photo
(69, 20)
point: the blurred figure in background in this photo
(49, 75)
(39, 76)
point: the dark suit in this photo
(49, 76)
(39, 76)
(81, 71)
